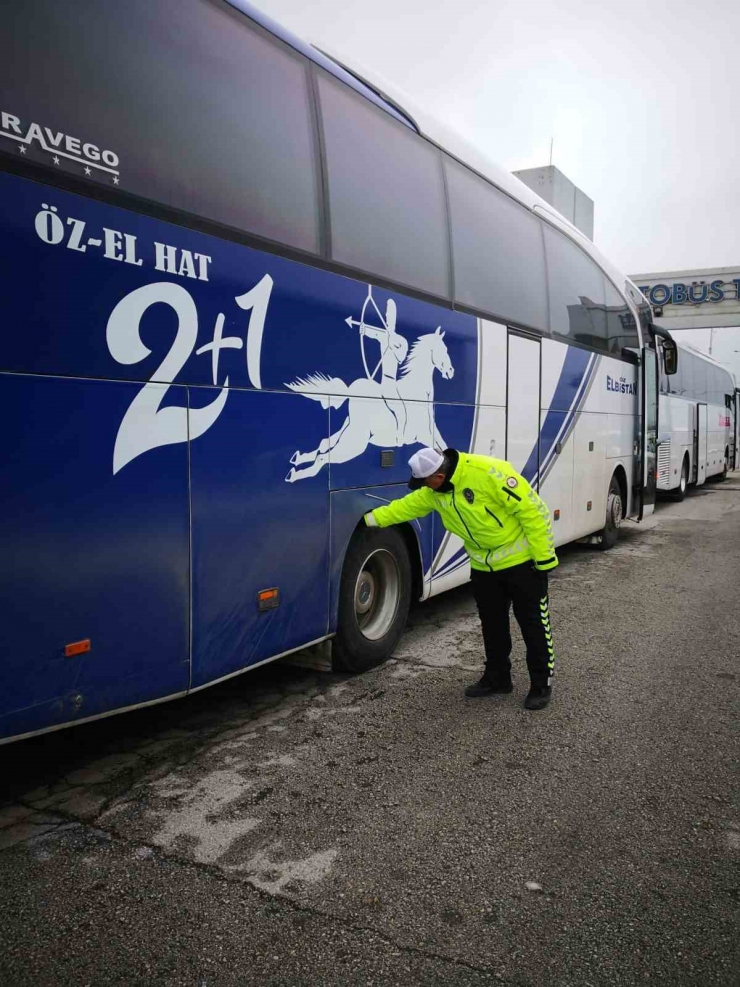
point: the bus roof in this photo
(393, 100)
(450, 141)
(317, 56)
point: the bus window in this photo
(700, 376)
(497, 249)
(621, 330)
(687, 375)
(202, 112)
(386, 194)
(711, 384)
(576, 289)
(674, 383)
(718, 386)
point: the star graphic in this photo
(56, 160)
(87, 170)
(22, 149)
(115, 180)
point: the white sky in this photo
(640, 97)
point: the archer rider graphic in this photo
(393, 351)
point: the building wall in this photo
(558, 190)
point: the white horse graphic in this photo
(369, 418)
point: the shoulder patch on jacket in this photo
(512, 482)
(510, 493)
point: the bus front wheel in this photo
(374, 599)
(614, 514)
(680, 492)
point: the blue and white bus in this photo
(239, 288)
(698, 423)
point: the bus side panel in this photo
(567, 376)
(621, 436)
(589, 467)
(616, 397)
(669, 452)
(493, 347)
(557, 487)
(490, 432)
(87, 556)
(681, 425)
(253, 531)
(676, 429)
(717, 439)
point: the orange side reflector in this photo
(556, 515)
(77, 648)
(267, 599)
(589, 505)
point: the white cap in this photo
(425, 462)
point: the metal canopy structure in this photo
(706, 299)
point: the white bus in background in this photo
(697, 423)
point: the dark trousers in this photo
(526, 589)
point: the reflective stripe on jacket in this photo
(500, 518)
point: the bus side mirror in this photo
(670, 357)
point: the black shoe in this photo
(538, 697)
(489, 687)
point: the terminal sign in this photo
(696, 293)
(693, 299)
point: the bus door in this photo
(702, 425)
(523, 403)
(736, 423)
(649, 431)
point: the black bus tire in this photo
(614, 516)
(680, 491)
(374, 599)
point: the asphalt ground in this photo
(294, 827)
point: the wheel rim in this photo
(377, 593)
(615, 510)
(684, 478)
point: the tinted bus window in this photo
(202, 112)
(674, 384)
(700, 376)
(689, 377)
(711, 385)
(621, 330)
(684, 384)
(718, 386)
(576, 288)
(386, 195)
(497, 250)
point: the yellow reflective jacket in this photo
(500, 518)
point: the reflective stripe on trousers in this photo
(525, 588)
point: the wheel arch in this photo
(413, 546)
